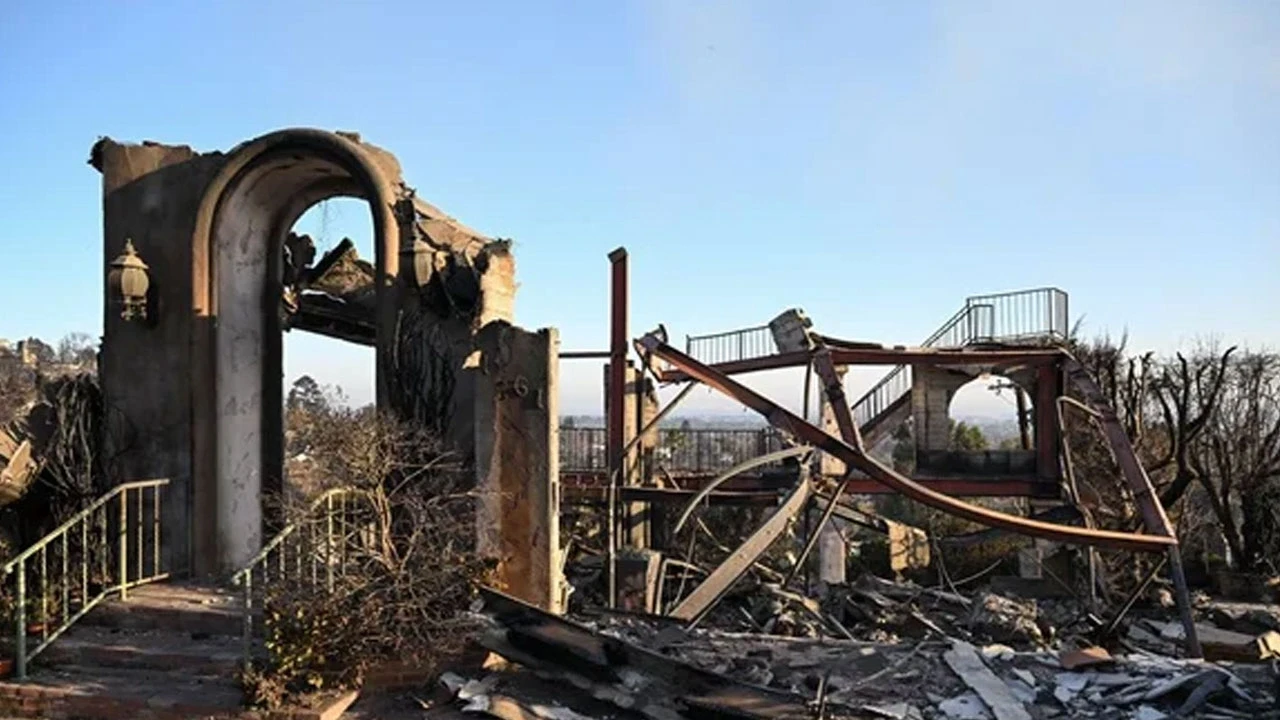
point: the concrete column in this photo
(517, 423)
(831, 466)
(832, 552)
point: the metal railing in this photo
(583, 449)
(1039, 315)
(1024, 315)
(745, 344)
(710, 450)
(312, 550)
(699, 450)
(100, 551)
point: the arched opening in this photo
(991, 412)
(241, 229)
(327, 352)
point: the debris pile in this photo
(886, 650)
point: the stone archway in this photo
(241, 223)
(197, 383)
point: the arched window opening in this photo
(327, 311)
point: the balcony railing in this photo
(732, 346)
(1024, 316)
(583, 449)
(679, 451)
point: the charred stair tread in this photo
(148, 686)
(174, 607)
(173, 596)
(157, 649)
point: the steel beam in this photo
(804, 432)
(882, 356)
(618, 314)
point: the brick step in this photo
(74, 691)
(205, 611)
(163, 650)
(100, 693)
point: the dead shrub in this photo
(395, 578)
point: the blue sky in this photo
(872, 163)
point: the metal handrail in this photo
(276, 547)
(63, 536)
(732, 346)
(1018, 315)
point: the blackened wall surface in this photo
(150, 195)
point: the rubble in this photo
(1006, 620)
(981, 656)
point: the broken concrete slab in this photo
(963, 659)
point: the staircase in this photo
(167, 651)
(1021, 317)
(105, 634)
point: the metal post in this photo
(1183, 595)
(808, 385)
(20, 620)
(618, 315)
(141, 528)
(44, 592)
(66, 584)
(155, 530)
(124, 546)
(328, 543)
(833, 392)
(84, 562)
(1024, 431)
(247, 631)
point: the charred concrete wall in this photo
(931, 392)
(150, 195)
(518, 460)
(195, 390)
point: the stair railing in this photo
(1036, 314)
(954, 332)
(100, 551)
(312, 550)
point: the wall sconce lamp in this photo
(128, 283)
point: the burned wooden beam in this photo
(334, 318)
(632, 676)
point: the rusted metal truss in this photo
(1159, 538)
(805, 432)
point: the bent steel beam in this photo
(879, 356)
(804, 432)
(1153, 514)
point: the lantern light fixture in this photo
(128, 283)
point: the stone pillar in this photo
(832, 553)
(832, 467)
(931, 392)
(517, 460)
